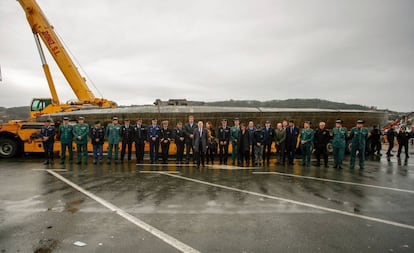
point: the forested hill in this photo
(290, 103)
(21, 112)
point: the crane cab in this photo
(38, 106)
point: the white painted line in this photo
(59, 170)
(157, 172)
(392, 223)
(165, 165)
(158, 233)
(334, 181)
(231, 167)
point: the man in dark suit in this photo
(292, 133)
(189, 130)
(200, 143)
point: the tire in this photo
(329, 147)
(8, 148)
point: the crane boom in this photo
(41, 27)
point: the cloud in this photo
(137, 51)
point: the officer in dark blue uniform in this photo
(223, 135)
(154, 140)
(165, 140)
(47, 133)
(97, 139)
(127, 134)
(179, 139)
(140, 135)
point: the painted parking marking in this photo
(58, 170)
(364, 217)
(157, 172)
(228, 167)
(164, 165)
(154, 231)
(333, 181)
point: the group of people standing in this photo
(251, 144)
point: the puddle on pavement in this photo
(71, 206)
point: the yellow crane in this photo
(19, 136)
(42, 28)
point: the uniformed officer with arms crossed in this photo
(113, 133)
(179, 139)
(66, 138)
(154, 140)
(359, 136)
(127, 134)
(165, 140)
(234, 137)
(97, 139)
(47, 134)
(321, 140)
(338, 143)
(189, 130)
(140, 136)
(81, 131)
(223, 135)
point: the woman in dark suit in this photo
(244, 145)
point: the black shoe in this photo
(340, 167)
(361, 167)
(46, 162)
(335, 166)
(94, 162)
(78, 162)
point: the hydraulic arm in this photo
(41, 27)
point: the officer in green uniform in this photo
(338, 143)
(234, 135)
(113, 133)
(306, 139)
(359, 136)
(81, 131)
(66, 136)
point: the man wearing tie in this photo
(292, 133)
(200, 143)
(189, 130)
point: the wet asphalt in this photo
(212, 209)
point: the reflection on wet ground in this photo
(217, 208)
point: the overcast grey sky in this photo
(135, 51)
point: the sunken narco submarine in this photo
(175, 110)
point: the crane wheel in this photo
(8, 148)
